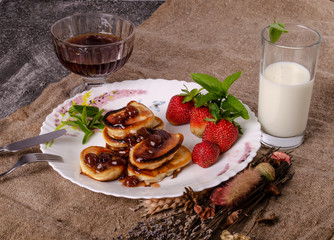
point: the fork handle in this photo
(8, 172)
(3, 149)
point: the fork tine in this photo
(30, 158)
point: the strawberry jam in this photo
(103, 161)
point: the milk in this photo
(284, 99)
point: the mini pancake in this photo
(145, 156)
(121, 143)
(119, 124)
(181, 158)
(110, 170)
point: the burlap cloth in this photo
(206, 36)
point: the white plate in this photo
(154, 93)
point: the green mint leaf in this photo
(238, 106)
(72, 110)
(275, 31)
(71, 123)
(225, 105)
(91, 110)
(229, 81)
(76, 117)
(82, 126)
(227, 115)
(98, 125)
(95, 119)
(274, 34)
(211, 84)
(279, 27)
(84, 116)
(201, 100)
(77, 124)
(86, 136)
(215, 111)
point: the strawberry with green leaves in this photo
(224, 108)
(179, 106)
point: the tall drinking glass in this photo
(93, 45)
(287, 72)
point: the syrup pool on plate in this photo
(284, 99)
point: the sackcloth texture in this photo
(183, 37)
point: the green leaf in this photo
(82, 127)
(275, 31)
(238, 106)
(188, 96)
(201, 100)
(84, 116)
(225, 105)
(95, 119)
(274, 34)
(98, 125)
(71, 123)
(91, 110)
(214, 110)
(279, 27)
(229, 81)
(86, 136)
(76, 117)
(211, 84)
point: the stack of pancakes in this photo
(151, 153)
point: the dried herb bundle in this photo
(196, 217)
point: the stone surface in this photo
(27, 61)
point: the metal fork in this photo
(30, 158)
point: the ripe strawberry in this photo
(205, 153)
(197, 120)
(224, 133)
(178, 113)
(178, 110)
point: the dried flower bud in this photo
(198, 209)
(237, 189)
(283, 157)
(272, 189)
(205, 214)
(232, 218)
(266, 170)
(271, 219)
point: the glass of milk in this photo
(287, 72)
